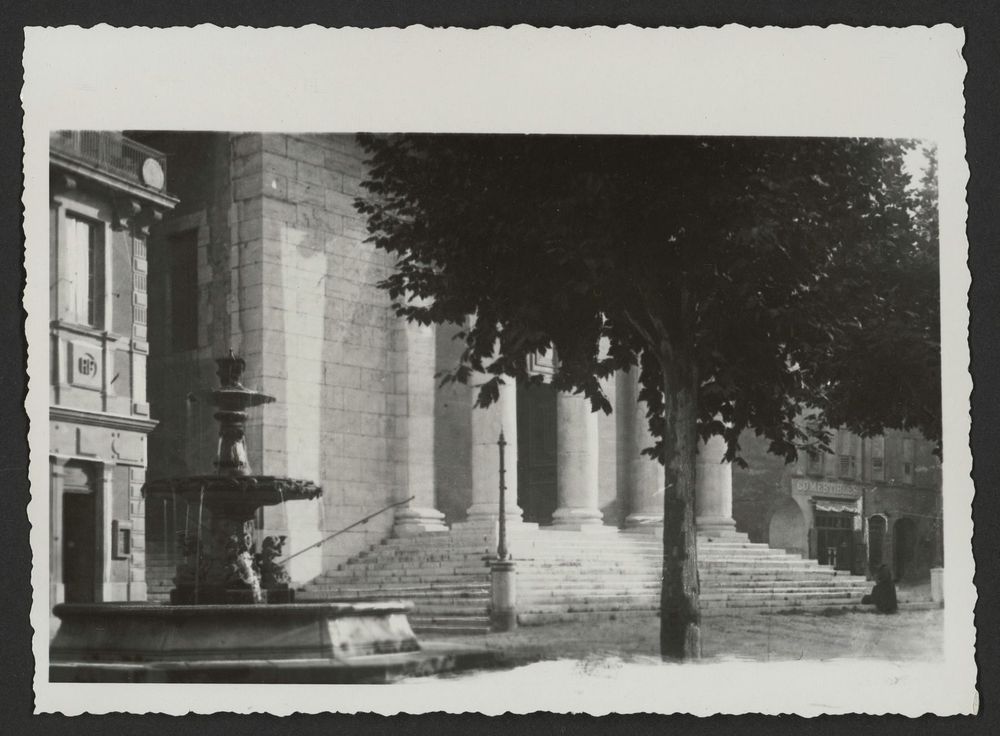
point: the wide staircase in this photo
(566, 576)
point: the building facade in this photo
(872, 501)
(105, 192)
(266, 255)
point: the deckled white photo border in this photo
(733, 80)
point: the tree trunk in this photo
(680, 614)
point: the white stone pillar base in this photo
(410, 522)
(579, 519)
(486, 514)
(715, 525)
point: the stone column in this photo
(486, 426)
(417, 467)
(106, 589)
(714, 489)
(57, 588)
(643, 475)
(576, 465)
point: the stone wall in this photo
(327, 343)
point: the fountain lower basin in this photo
(305, 642)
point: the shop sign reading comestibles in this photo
(811, 487)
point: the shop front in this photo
(824, 520)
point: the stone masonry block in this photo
(373, 379)
(246, 165)
(276, 185)
(347, 164)
(351, 186)
(246, 144)
(279, 165)
(306, 193)
(248, 187)
(311, 174)
(250, 209)
(307, 151)
(249, 230)
(345, 143)
(362, 357)
(331, 221)
(340, 203)
(274, 143)
(274, 209)
(344, 376)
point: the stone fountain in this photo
(221, 564)
(232, 617)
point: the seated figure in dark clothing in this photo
(883, 595)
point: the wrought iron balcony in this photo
(112, 153)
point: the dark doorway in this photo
(904, 539)
(876, 542)
(835, 540)
(79, 553)
(536, 452)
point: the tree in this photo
(735, 274)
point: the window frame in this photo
(89, 309)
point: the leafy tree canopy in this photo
(784, 273)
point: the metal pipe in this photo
(346, 528)
(502, 553)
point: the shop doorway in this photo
(79, 535)
(536, 452)
(876, 542)
(835, 539)
(904, 540)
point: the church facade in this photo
(266, 255)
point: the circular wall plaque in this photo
(152, 173)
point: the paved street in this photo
(911, 635)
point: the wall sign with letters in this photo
(836, 489)
(85, 365)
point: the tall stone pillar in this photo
(576, 465)
(106, 588)
(714, 489)
(643, 475)
(57, 589)
(486, 426)
(416, 469)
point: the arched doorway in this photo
(536, 452)
(787, 528)
(904, 533)
(876, 542)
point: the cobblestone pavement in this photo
(910, 635)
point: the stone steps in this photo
(571, 576)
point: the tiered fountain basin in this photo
(210, 575)
(232, 617)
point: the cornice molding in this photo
(98, 419)
(94, 173)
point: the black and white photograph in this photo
(401, 403)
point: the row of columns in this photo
(577, 447)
